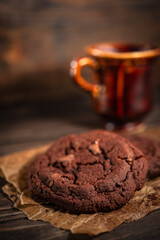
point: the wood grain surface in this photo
(26, 126)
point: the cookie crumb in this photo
(129, 161)
(66, 158)
(55, 175)
(94, 148)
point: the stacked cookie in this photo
(88, 173)
(151, 149)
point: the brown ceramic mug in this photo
(121, 89)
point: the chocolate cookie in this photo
(90, 172)
(151, 148)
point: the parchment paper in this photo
(14, 168)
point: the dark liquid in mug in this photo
(128, 93)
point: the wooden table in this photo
(27, 126)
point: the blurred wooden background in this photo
(39, 38)
(38, 101)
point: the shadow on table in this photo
(70, 110)
(79, 237)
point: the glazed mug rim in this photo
(105, 50)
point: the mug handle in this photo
(75, 72)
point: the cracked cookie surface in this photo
(151, 149)
(90, 172)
